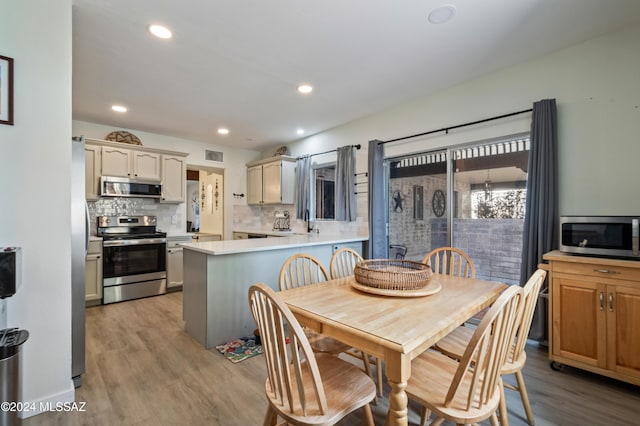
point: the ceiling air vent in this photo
(213, 155)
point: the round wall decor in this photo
(438, 203)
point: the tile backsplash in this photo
(169, 216)
(262, 218)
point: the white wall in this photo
(235, 179)
(598, 96)
(35, 160)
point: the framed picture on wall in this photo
(6, 90)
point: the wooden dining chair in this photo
(450, 261)
(342, 265)
(343, 262)
(304, 387)
(301, 269)
(454, 344)
(304, 269)
(468, 391)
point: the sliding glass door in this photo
(470, 197)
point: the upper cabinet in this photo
(271, 181)
(130, 163)
(174, 174)
(104, 158)
(92, 171)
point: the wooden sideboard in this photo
(594, 314)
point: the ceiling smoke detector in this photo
(442, 14)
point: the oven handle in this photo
(116, 243)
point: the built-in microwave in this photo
(111, 186)
(613, 236)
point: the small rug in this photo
(240, 349)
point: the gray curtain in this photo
(303, 186)
(346, 205)
(541, 213)
(377, 202)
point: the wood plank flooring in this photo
(142, 369)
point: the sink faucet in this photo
(308, 220)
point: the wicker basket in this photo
(393, 274)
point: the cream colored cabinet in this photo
(92, 171)
(271, 181)
(130, 163)
(595, 314)
(93, 274)
(254, 184)
(174, 261)
(174, 176)
(203, 238)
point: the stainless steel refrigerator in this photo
(79, 245)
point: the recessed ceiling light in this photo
(160, 31)
(442, 14)
(223, 131)
(300, 131)
(119, 108)
(305, 88)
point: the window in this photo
(324, 194)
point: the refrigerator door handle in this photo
(86, 228)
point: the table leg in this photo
(398, 369)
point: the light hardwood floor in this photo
(142, 369)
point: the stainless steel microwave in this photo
(613, 236)
(124, 187)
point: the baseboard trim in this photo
(63, 401)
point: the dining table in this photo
(395, 328)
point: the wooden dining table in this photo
(392, 328)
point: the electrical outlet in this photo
(174, 219)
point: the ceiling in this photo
(236, 64)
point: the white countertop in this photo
(262, 244)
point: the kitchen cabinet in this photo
(174, 175)
(130, 163)
(174, 261)
(92, 171)
(203, 238)
(93, 273)
(105, 158)
(271, 181)
(595, 314)
(240, 236)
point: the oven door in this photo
(127, 261)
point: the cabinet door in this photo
(146, 165)
(623, 323)
(174, 267)
(92, 171)
(254, 185)
(271, 183)
(93, 277)
(579, 321)
(173, 179)
(116, 162)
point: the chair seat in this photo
(323, 344)
(337, 376)
(432, 374)
(454, 344)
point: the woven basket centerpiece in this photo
(393, 274)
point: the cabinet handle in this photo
(610, 302)
(601, 300)
(605, 271)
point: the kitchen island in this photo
(218, 274)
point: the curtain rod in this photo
(326, 152)
(446, 129)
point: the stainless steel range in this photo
(134, 257)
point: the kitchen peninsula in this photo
(218, 274)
